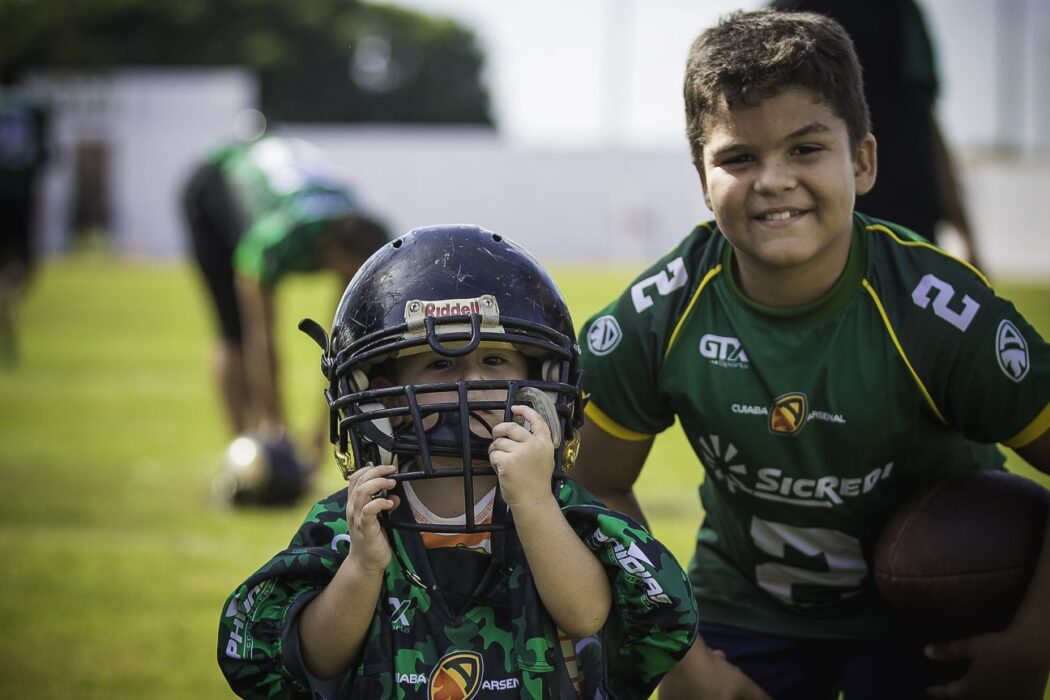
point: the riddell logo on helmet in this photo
(457, 307)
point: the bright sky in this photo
(609, 72)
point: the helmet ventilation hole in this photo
(496, 237)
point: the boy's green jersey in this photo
(284, 192)
(498, 642)
(814, 424)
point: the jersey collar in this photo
(819, 309)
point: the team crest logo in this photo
(457, 676)
(788, 414)
(1011, 350)
(604, 335)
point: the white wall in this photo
(560, 204)
(158, 124)
(564, 204)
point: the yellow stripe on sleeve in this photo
(610, 426)
(1034, 430)
(692, 302)
(900, 350)
(930, 246)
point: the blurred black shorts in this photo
(214, 228)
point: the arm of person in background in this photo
(951, 196)
(608, 467)
(1015, 662)
(260, 356)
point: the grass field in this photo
(115, 563)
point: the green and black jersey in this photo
(813, 424)
(284, 192)
(497, 643)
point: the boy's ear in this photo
(703, 183)
(865, 164)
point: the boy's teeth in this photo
(779, 216)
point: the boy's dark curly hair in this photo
(751, 56)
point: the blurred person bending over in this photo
(257, 211)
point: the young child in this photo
(459, 562)
(825, 366)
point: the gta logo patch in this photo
(788, 414)
(604, 335)
(1011, 350)
(457, 676)
(723, 351)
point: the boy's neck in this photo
(790, 287)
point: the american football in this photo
(961, 553)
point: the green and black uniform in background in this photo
(258, 209)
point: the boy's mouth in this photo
(780, 214)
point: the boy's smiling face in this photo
(781, 179)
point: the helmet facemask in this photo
(429, 436)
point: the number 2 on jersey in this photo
(943, 296)
(838, 562)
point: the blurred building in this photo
(124, 145)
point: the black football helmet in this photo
(447, 289)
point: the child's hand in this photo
(523, 459)
(369, 547)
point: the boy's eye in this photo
(438, 365)
(739, 159)
(495, 360)
(807, 149)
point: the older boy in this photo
(825, 366)
(463, 564)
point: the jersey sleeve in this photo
(623, 345)
(983, 369)
(258, 645)
(654, 618)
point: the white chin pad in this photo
(359, 379)
(551, 370)
(544, 405)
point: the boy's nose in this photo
(775, 176)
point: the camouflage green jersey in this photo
(813, 424)
(499, 644)
(284, 193)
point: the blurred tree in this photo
(317, 60)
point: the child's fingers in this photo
(374, 507)
(502, 444)
(371, 481)
(538, 425)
